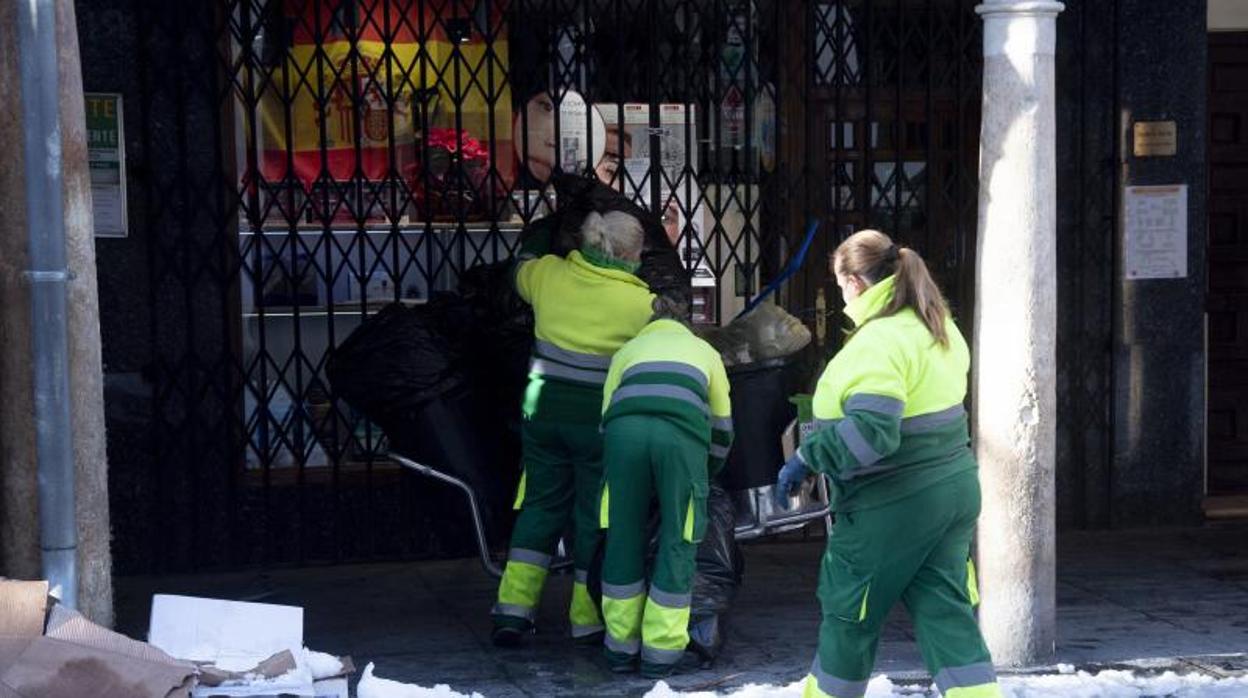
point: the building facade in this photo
(289, 166)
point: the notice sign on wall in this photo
(1155, 241)
(106, 158)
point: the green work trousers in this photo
(644, 457)
(561, 481)
(917, 551)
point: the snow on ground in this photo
(322, 666)
(1068, 684)
(371, 686)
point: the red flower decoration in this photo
(453, 141)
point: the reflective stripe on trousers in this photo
(665, 627)
(820, 684)
(970, 681)
(622, 609)
(521, 586)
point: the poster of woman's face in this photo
(619, 147)
(566, 144)
(672, 222)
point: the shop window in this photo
(383, 147)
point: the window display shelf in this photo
(343, 310)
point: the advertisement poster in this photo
(106, 160)
(628, 143)
(566, 143)
(626, 165)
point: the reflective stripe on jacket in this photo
(583, 313)
(669, 371)
(889, 406)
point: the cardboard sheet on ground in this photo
(49, 667)
(76, 657)
(252, 648)
(23, 606)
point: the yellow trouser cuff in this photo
(583, 610)
(984, 690)
(623, 616)
(812, 690)
(665, 628)
(522, 584)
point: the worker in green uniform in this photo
(892, 434)
(668, 426)
(586, 306)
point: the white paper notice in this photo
(1155, 239)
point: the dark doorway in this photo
(1228, 265)
(892, 138)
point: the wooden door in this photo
(1228, 264)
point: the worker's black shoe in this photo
(590, 640)
(689, 662)
(651, 670)
(510, 632)
(619, 662)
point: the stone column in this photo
(1015, 399)
(19, 519)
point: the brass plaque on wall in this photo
(1155, 138)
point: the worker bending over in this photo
(892, 433)
(585, 307)
(668, 421)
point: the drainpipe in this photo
(48, 277)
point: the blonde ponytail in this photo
(914, 288)
(872, 256)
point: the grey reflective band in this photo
(721, 423)
(676, 367)
(667, 599)
(548, 350)
(881, 404)
(623, 592)
(621, 646)
(932, 420)
(833, 686)
(531, 557)
(857, 445)
(582, 576)
(514, 611)
(718, 451)
(654, 655)
(673, 392)
(826, 423)
(585, 630)
(965, 676)
(558, 370)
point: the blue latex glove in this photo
(788, 481)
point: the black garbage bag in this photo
(720, 565)
(397, 360)
(661, 268)
(499, 327)
(412, 372)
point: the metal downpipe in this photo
(48, 277)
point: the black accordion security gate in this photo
(304, 162)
